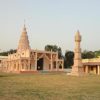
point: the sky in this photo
(52, 22)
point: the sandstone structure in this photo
(77, 68)
(91, 66)
(28, 60)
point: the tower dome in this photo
(77, 36)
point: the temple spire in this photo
(23, 42)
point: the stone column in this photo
(86, 69)
(77, 68)
(29, 65)
(51, 61)
(62, 65)
(98, 69)
(36, 61)
(57, 66)
(20, 64)
(57, 62)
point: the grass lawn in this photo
(49, 87)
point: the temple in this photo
(28, 60)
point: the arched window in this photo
(54, 64)
(60, 66)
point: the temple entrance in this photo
(40, 64)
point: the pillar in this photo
(77, 68)
(62, 65)
(51, 61)
(57, 62)
(57, 66)
(20, 65)
(29, 64)
(86, 69)
(36, 61)
(98, 69)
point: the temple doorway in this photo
(40, 64)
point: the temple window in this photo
(60, 66)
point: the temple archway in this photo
(40, 64)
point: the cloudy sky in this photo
(50, 22)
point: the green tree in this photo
(88, 54)
(11, 51)
(97, 53)
(54, 48)
(68, 59)
(51, 47)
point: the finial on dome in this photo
(78, 32)
(24, 29)
(77, 36)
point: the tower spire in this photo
(23, 42)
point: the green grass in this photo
(49, 87)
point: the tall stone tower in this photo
(23, 42)
(77, 68)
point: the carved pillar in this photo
(86, 69)
(29, 63)
(62, 65)
(98, 69)
(36, 61)
(57, 62)
(77, 68)
(51, 62)
(20, 65)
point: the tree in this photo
(51, 47)
(97, 53)
(60, 53)
(54, 48)
(68, 59)
(88, 54)
(11, 51)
